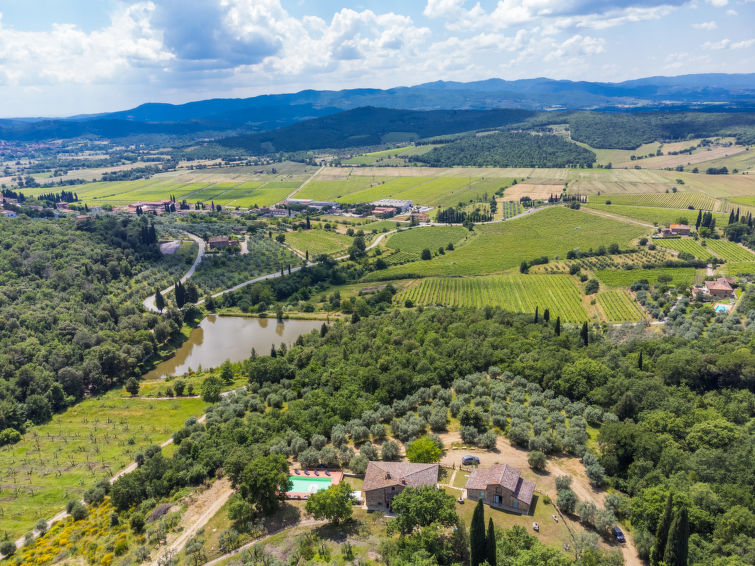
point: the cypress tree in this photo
(477, 547)
(639, 361)
(547, 316)
(736, 218)
(537, 317)
(180, 294)
(585, 334)
(677, 544)
(159, 301)
(355, 317)
(731, 217)
(699, 219)
(661, 533)
(558, 326)
(306, 255)
(490, 543)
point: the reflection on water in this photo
(221, 338)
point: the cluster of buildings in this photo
(720, 288)
(501, 486)
(222, 243)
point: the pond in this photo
(221, 338)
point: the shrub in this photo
(537, 460)
(563, 482)
(389, 450)
(424, 450)
(120, 548)
(488, 440)
(7, 548)
(9, 436)
(78, 511)
(137, 523)
(41, 526)
(469, 435)
(566, 500)
(358, 464)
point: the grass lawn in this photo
(461, 479)
(58, 461)
(498, 247)
(318, 242)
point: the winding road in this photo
(149, 302)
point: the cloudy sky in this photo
(62, 57)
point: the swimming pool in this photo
(722, 308)
(305, 484)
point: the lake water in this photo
(221, 338)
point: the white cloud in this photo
(442, 8)
(728, 44)
(718, 3)
(706, 25)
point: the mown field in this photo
(618, 306)
(431, 237)
(318, 242)
(58, 461)
(498, 247)
(388, 156)
(684, 276)
(659, 216)
(516, 292)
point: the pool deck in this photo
(335, 478)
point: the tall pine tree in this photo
(677, 545)
(699, 219)
(547, 316)
(639, 361)
(490, 543)
(180, 294)
(585, 334)
(661, 533)
(537, 315)
(477, 546)
(558, 326)
(159, 301)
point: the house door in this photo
(498, 499)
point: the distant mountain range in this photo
(222, 117)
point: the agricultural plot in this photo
(508, 209)
(58, 461)
(744, 161)
(700, 157)
(633, 260)
(657, 216)
(617, 306)
(698, 201)
(389, 156)
(431, 237)
(389, 189)
(535, 192)
(332, 190)
(685, 245)
(615, 156)
(501, 246)
(680, 276)
(318, 242)
(729, 250)
(514, 292)
(739, 268)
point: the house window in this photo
(498, 490)
(393, 488)
(516, 504)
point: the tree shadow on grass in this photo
(339, 533)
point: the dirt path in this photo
(305, 183)
(149, 302)
(239, 550)
(616, 217)
(196, 516)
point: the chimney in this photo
(387, 475)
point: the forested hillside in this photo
(62, 334)
(673, 416)
(509, 150)
(373, 126)
(606, 130)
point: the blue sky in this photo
(63, 57)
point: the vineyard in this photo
(618, 306)
(515, 292)
(698, 201)
(686, 245)
(729, 250)
(740, 268)
(633, 260)
(680, 276)
(508, 208)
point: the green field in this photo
(618, 306)
(739, 268)
(660, 200)
(514, 292)
(335, 190)
(431, 237)
(501, 246)
(729, 250)
(624, 278)
(388, 155)
(659, 216)
(318, 242)
(58, 461)
(684, 245)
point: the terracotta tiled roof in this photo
(384, 474)
(505, 476)
(720, 284)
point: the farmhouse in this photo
(384, 211)
(679, 229)
(384, 480)
(420, 217)
(501, 486)
(219, 242)
(721, 288)
(8, 213)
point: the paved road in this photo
(149, 302)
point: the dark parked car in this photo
(618, 535)
(470, 461)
